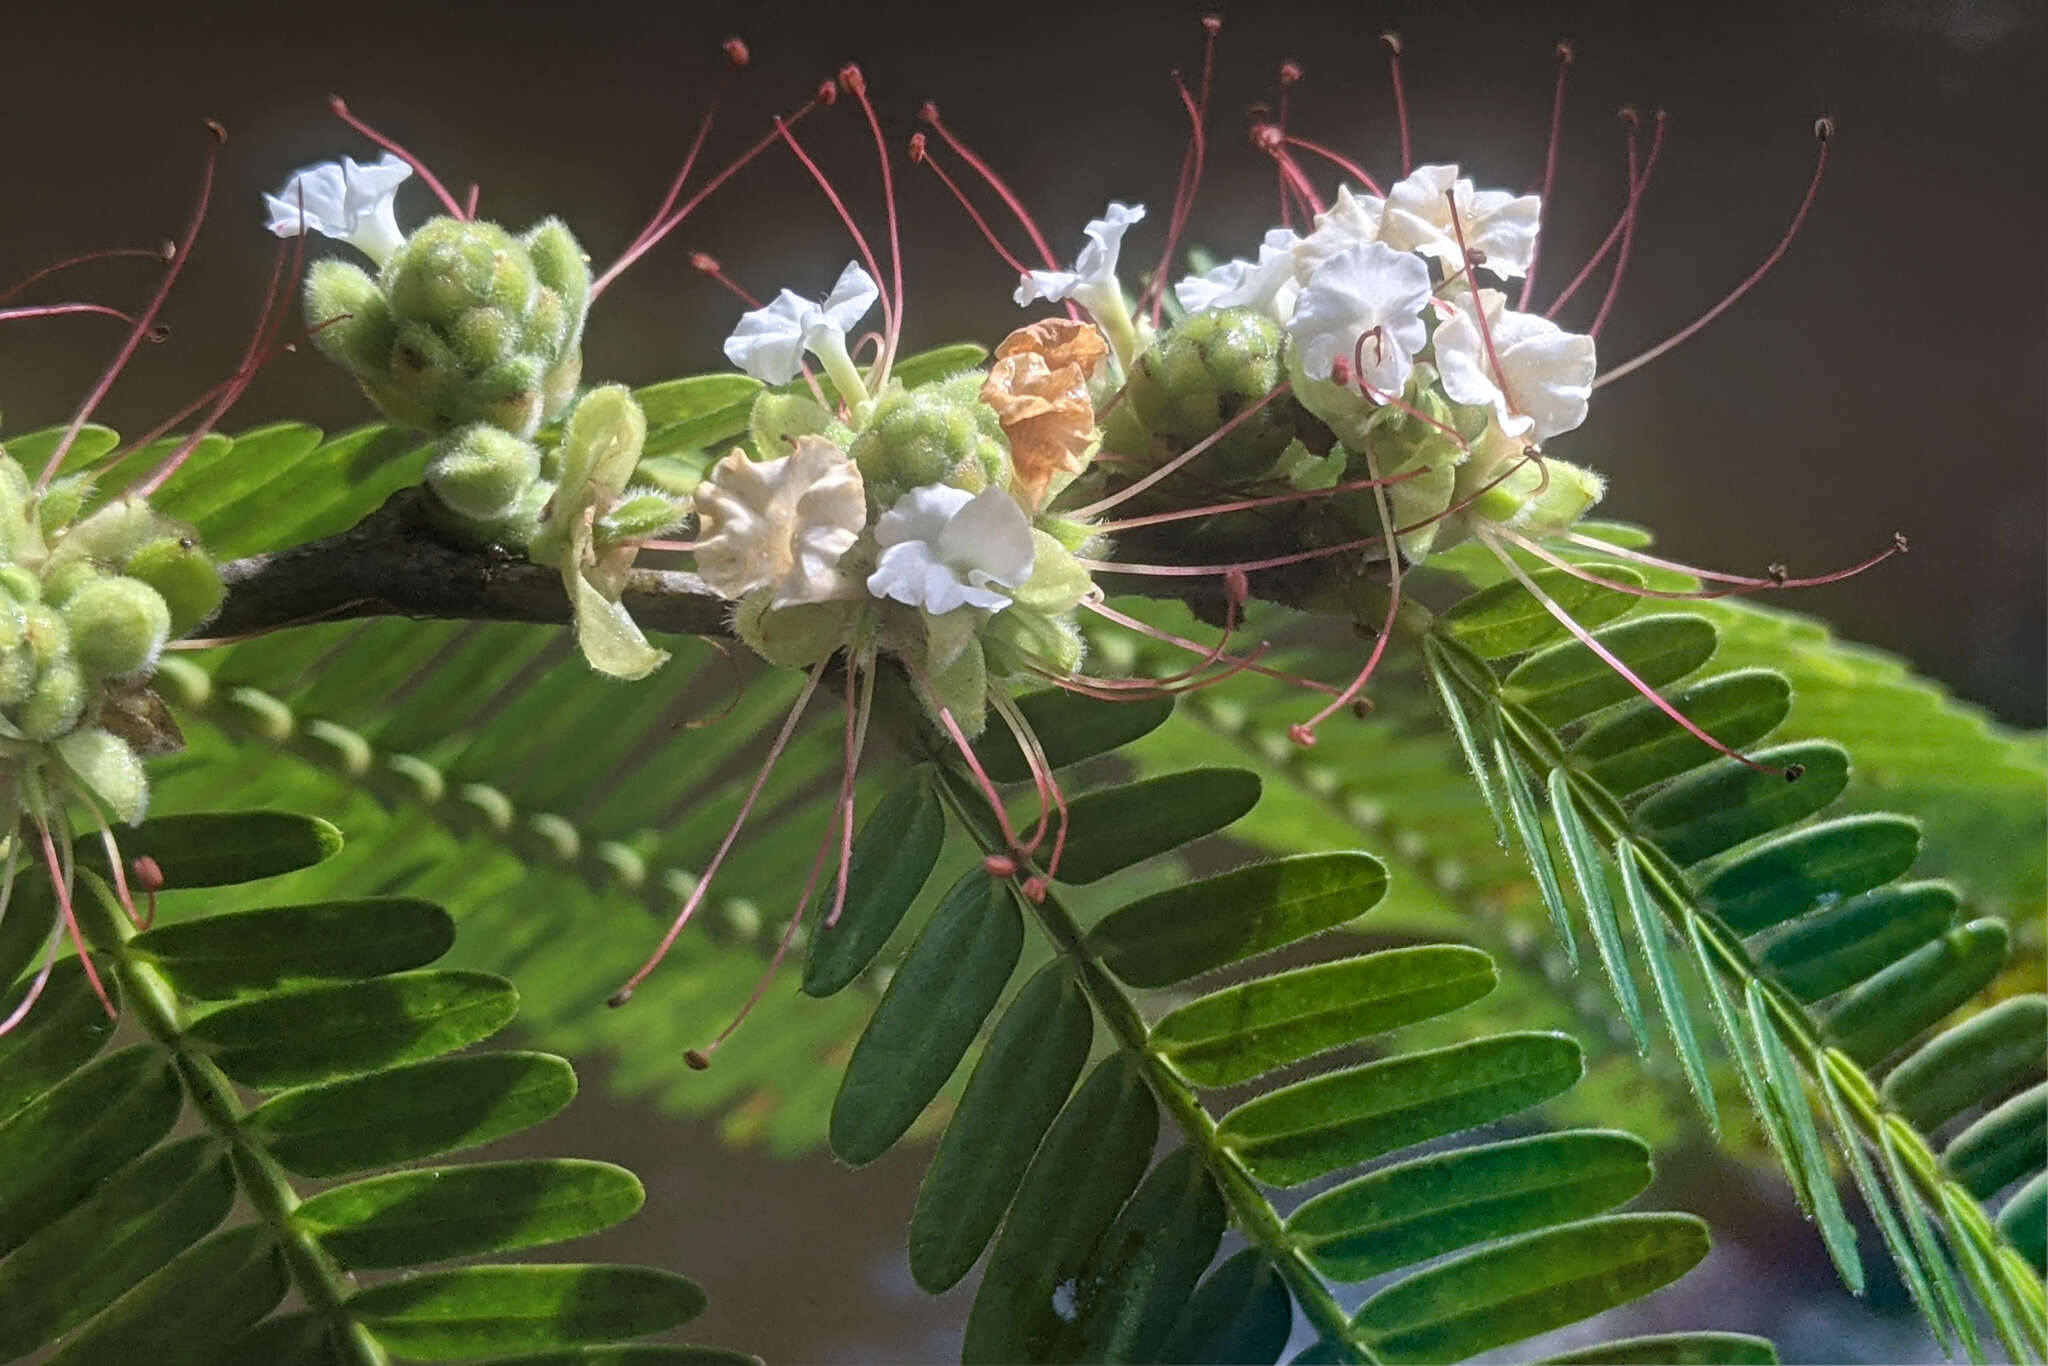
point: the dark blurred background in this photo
(1889, 375)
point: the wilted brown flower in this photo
(1038, 387)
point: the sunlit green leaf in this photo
(1071, 727)
(2007, 1143)
(57, 1149)
(1568, 681)
(1116, 827)
(1814, 866)
(1823, 953)
(1590, 872)
(1887, 1012)
(1640, 745)
(439, 1213)
(1719, 806)
(1650, 931)
(1506, 620)
(1788, 1092)
(1981, 1058)
(476, 1311)
(222, 955)
(221, 849)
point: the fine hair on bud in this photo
(118, 626)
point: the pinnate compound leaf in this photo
(1678, 1017)
(935, 1005)
(56, 1150)
(1529, 1285)
(1084, 1171)
(1887, 1012)
(418, 1110)
(1727, 802)
(1256, 1027)
(477, 1311)
(187, 1312)
(1408, 1213)
(1199, 926)
(1022, 1079)
(321, 1033)
(1507, 620)
(1590, 872)
(1312, 1128)
(1568, 681)
(225, 955)
(1114, 828)
(1811, 1171)
(139, 1218)
(1639, 745)
(1985, 1056)
(891, 861)
(440, 1213)
(1815, 865)
(1823, 953)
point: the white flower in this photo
(781, 524)
(1500, 225)
(1092, 282)
(770, 342)
(343, 200)
(1351, 221)
(1267, 284)
(1365, 289)
(943, 548)
(1548, 372)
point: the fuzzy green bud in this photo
(559, 262)
(20, 584)
(48, 635)
(638, 515)
(18, 675)
(938, 434)
(66, 579)
(54, 704)
(355, 327)
(777, 420)
(60, 502)
(108, 766)
(183, 575)
(481, 472)
(118, 625)
(1208, 369)
(795, 637)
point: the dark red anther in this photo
(851, 80)
(828, 92)
(704, 261)
(1824, 128)
(917, 149)
(928, 112)
(1566, 53)
(160, 333)
(1794, 772)
(1034, 890)
(697, 1060)
(1393, 41)
(1212, 24)
(1290, 73)
(999, 865)
(1236, 587)
(220, 132)
(619, 997)
(1267, 137)
(1777, 572)
(736, 52)
(148, 874)
(1340, 372)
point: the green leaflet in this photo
(1590, 872)
(1726, 802)
(25, 929)
(2024, 1219)
(1088, 1165)
(1114, 828)
(1887, 1012)
(1313, 1127)
(222, 849)
(321, 1033)
(1137, 1282)
(1815, 865)
(56, 1150)
(1823, 953)
(439, 1213)
(1676, 1349)
(891, 861)
(1408, 1213)
(475, 1311)
(935, 1005)
(1255, 1027)
(65, 1030)
(1071, 727)
(1985, 1056)
(2002, 1146)
(1199, 926)
(1639, 745)
(1785, 1090)
(187, 1311)
(1568, 681)
(1529, 1285)
(1018, 1087)
(418, 1110)
(1506, 620)
(226, 955)
(1650, 932)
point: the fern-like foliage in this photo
(1788, 928)
(118, 1172)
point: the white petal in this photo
(1351, 220)
(1200, 293)
(990, 539)
(1504, 227)
(921, 514)
(1360, 289)
(781, 522)
(315, 198)
(1054, 286)
(1548, 371)
(852, 296)
(768, 342)
(371, 186)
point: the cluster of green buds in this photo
(87, 604)
(474, 335)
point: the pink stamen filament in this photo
(1612, 661)
(860, 241)
(1247, 504)
(1629, 207)
(1739, 586)
(427, 177)
(1132, 490)
(706, 264)
(703, 887)
(1335, 158)
(1305, 733)
(920, 155)
(1014, 722)
(675, 187)
(930, 114)
(114, 862)
(1500, 377)
(1247, 664)
(1564, 64)
(144, 322)
(1273, 143)
(1630, 219)
(1042, 776)
(163, 253)
(60, 882)
(8, 315)
(1824, 130)
(1393, 42)
(850, 78)
(856, 746)
(1191, 164)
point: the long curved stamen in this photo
(1335, 158)
(704, 263)
(920, 155)
(1249, 664)
(1628, 675)
(162, 253)
(1304, 734)
(652, 237)
(1738, 585)
(1631, 218)
(28, 311)
(1270, 140)
(1290, 75)
(736, 58)
(1042, 775)
(1500, 377)
(851, 79)
(1191, 163)
(929, 113)
(1014, 722)
(860, 241)
(1137, 487)
(1565, 55)
(857, 741)
(60, 882)
(147, 318)
(1249, 504)
(1898, 546)
(1393, 42)
(427, 177)
(1824, 130)
(118, 868)
(1630, 206)
(703, 887)
(981, 778)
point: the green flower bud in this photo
(483, 337)
(507, 395)
(66, 579)
(54, 704)
(359, 330)
(939, 433)
(559, 262)
(1020, 639)
(182, 573)
(558, 386)
(60, 502)
(109, 768)
(638, 515)
(118, 625)
(20, 584)
(451, 266)
(481, 472)
(48, 635)
(1207, 370)
(602, 442)
(108, 537)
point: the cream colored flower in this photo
(781, 524)
(1537, 377)
(1498, 227)
(1038, 388)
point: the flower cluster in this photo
(914, 522)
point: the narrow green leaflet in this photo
(1722, 804)
(1529, 1285)
(1893, 1008)
(1436, 657)
(475, 1311)
(1568, 681)
(936, 1002)
(892, 858)
(1985, 1056)
(1649, 924)
(1536, 846)
(1413, 1211)
(1506, 620)
(1590, 873)
(1021, 1081)
(1256, 1027)
(65, 1030)
(321, 1033)
(1116, 827)
(57, 1150)
(222, 849)
(440, 1213)
(1675, 1349)
(1786, 1091)
(226, 955)
(185, 1313)
(1200, 926)
(1825, 952)
(2002, 1146)
(1071, 727)
(1815, 865)
(1313, 1127)
(1640, 745)
(1241, 1312)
